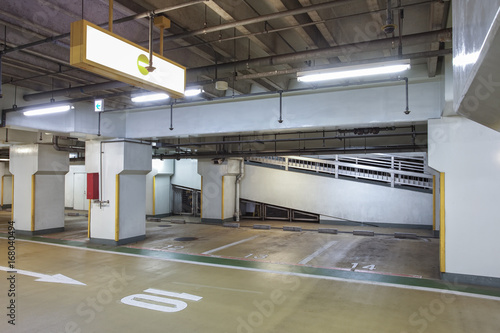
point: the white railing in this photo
(393, 170)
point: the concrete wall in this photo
(337, 198)
(6, 179)
(186, 174)
(49, 167)
(469, 155)
(69, 187)
(132, 162)
(82, 119)
(472, 22)
(353, 107)
(161, 173)
(229, 196)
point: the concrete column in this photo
(218, 182)
(118, 217)
(158, 188)
(38, 176)
(6, 186)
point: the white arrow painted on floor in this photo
(56, 278)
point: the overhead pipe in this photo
(110, 19)
(150, 68)
(75, 90)
(261, 141)
(291, 27)
(259, 75)
(443, 35)
(258, 19)
(240, 175)
(124, 19)
(73, 149)
(302, 152)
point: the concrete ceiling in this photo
(254, 45)
(263, 41)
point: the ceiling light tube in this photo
(150, 98)
(192, 92)
(47, 110)
(388, 67)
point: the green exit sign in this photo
(98, 105)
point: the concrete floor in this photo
(240, 280)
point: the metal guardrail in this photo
(401, 171)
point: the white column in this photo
(218, 189)
(38, 177)
(118, 217)
(6, 185)
(158, 188)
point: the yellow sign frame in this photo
(78, 58)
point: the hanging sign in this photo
(99, 51)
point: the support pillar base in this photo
(103, 241)
(39, 232)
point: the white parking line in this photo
(316, 253)
(229, 245)
(260, 270)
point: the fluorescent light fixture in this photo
(47, 110)
(387, 67)
(150, 98)
(4, 160)
(192, 92)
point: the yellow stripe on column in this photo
(33, 187)
(222, 206)
(2, 190)
(154, 195)
(201, 198)
(117, 209)
(12, 205)
(442, 233)
(88, 222)
(433, 203)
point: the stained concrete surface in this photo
(229, 299)
(382, 254)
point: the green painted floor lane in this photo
(233, 300)
(279, 268)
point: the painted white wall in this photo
(80, 201)
(161, 172)
(218, 194)
(353, 107)
(49, 166)
(49, 201)
(186, 174)
(6, 178)
(69, 184)
(82, 119)
(469, 155)
(229, 196)
(132, 161)
(7, 190)
(338, 198)
(472, 22)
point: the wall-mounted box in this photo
(93, 185)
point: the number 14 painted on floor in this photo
(370, 267)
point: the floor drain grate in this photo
(185, 239)
(164, 226)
